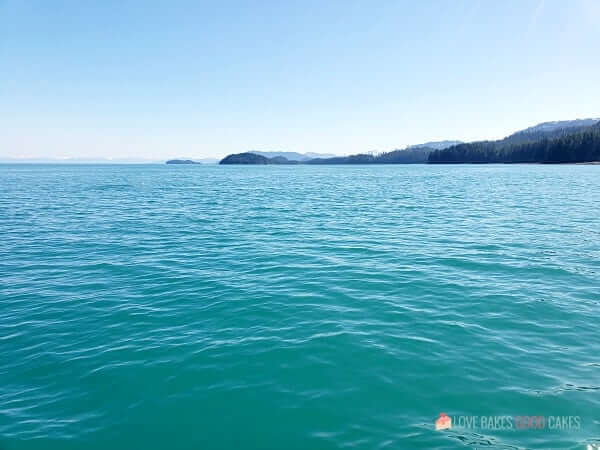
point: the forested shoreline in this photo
(564, 142)
(581, 145)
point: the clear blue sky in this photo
(159, 79)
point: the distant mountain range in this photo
(548, 142)
(567, 141)
(410, 155)
(293, 156)
(546, 127)
(405, 156)
(70, 160)
(437, 145)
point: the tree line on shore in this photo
(578, 145)
(553, 142)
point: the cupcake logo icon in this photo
(444, 422)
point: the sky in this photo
(129, 79)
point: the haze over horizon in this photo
(150, 80)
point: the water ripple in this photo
(302, 307)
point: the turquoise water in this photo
(225, 307)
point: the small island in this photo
(181, 161)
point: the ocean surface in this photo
(307, 307)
